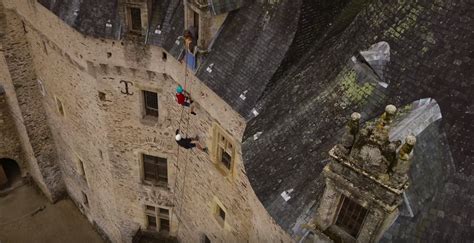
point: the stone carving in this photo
(369, 148)
(400, 169)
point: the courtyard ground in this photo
(27, 216)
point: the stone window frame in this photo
(341, 202)
(128, 18)
(148, 107)
(155, 182)
(217, 209)
(221, 140)
(205, 239)
(155, 212)
(141, 176)
(146, 119)
(162, 113)
(59, 106)
(80, 168)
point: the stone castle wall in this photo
(10, 146)
(109, 135)
(22, 92)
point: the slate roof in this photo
(89, 17)
(285, 147)
(292, 62)
(224, 6)
(248, 51)
(101, 19)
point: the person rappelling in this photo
(183, 98)
(187, 143)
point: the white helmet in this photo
(178, 137)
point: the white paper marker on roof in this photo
(383, 84)
(255, 112)
(256, 135)
(242, 96)
(286, 195)
(209, 68)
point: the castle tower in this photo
(365, 181)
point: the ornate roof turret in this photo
(370, 150)
(364, 181)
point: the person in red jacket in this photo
(183, 99)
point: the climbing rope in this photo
(180, 207)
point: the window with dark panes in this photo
(206, 239)
(351, 216)
(158, 218)
(164, 225)
(136, 19)
(151, 222)
(151, 103)
(221, 214)
(155, 169)
(164, 215)
(225, 151)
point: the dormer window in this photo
(207, 17)
(135, 19)
(136, 16)
(197, 22)
(351, 216)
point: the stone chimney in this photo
(364, 181)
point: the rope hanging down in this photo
(180, 207)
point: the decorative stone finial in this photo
(354, 123)
(407, 147)
(391, 109)
(355, 116)
(369, 148)
(402, 166)
(387, 116)
(349, 136)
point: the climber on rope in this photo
(183, 98)
(187, 143)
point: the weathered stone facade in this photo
(22, 95)
(10, 146)
(109, 134)
(274, 80)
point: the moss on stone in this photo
(353, 91)
(406, 23)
